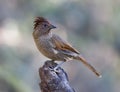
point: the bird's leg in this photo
(55, 68)
(52, 60)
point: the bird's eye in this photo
(45, 25)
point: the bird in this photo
(54, 47)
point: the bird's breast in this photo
(45, 47)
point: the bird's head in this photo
(42, 25)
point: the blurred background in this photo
(91, 26)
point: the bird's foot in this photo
(56, 68)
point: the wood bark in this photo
(53, 80)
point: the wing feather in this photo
(62, 45)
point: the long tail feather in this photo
(89, 66)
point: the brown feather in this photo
(38, 21)
(60, 44)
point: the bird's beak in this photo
(52, 26)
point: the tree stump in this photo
(53, 81)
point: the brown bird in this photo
(53, 47)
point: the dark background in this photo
(91, 26)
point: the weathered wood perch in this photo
(52, 81)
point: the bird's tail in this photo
(88, 65)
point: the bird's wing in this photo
(62, 45)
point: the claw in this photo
(56, 68)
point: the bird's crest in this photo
(39, 20)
